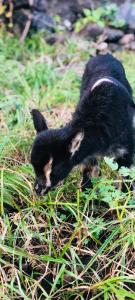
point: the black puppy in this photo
(102, 125)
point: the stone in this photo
(67, 11)
(127, 38)
(102, 48)
(67, 24)
(41, 21)
(112, 35)
(126, 13)
(40, 5)
(114, 47)
(20, 18)
(34, 10)
(90, 4)
(130, 46)
(92, 31)
(55, 38)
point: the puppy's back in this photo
(102, 66)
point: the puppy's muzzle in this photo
(40, 189)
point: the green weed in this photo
(102, 16)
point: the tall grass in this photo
(68, 244)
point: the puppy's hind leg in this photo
(89, 169)
(125, 161)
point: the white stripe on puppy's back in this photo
(101, 80)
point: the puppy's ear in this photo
(76, 142)
(38, 120)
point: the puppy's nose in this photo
(38, 189)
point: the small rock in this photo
(112, 35)
(40, 5)
(20, 18)
(41, 21)
(55, 38)
(130, 46)
(127, 38)
(34, 10)
(126, 13)
(92, 31)
(67, 24)
(90, 4)
(114, 47)
(102, 48)
(67, 11)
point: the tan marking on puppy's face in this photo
(47, 172)
(76, 143)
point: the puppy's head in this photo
(51, 154)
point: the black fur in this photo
(104, 115)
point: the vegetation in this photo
(67, 244)
(102, 16)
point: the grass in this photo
(68, 244)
